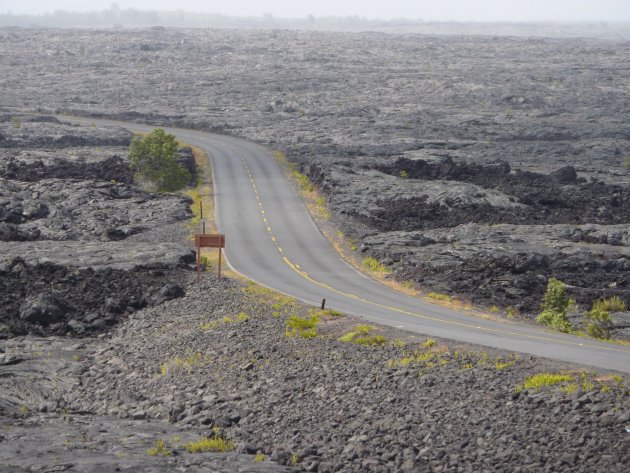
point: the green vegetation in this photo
(154, 160)
(555, 304)
(360, 335)
(598, 321)
(259, 458)
(404, 174)
(159, 449)
(612, 304)
(598, 324)
(303, 181)
(213, 444)
(16, 122)
(295, 459)
(436, 296)
(302, 326)
(375, 266)
(541, 380)
(626, 163)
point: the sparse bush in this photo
(259, 458)
(540, 380)
(159, 449)
(612, 304)
(302, 326)
(598, 323)
(404, 174)
(436, 296)
(374, 265)
(154, 159)
(372, 340)
(554, 305)
(213, 444)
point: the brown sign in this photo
(210, 241)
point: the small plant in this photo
(213, 444)
(436, 296)
(303, 181)
(295, 459)
(359, 330)
(320, 202)
(302, 326)
(371, 341)
(374, 265)
(626, 163)
(494, 309)
(242, 317)
(398, 343)
(570, 388)
(204, 263)
(16, 122)
(554, 305)
(612, 304)
(540, 380)
(259, 458)
(598, 324)
(428, 343)
(512, 312)
(501, 365)
(404, 174)
(159, 449)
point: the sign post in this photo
(208, 241)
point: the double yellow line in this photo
(304, 274)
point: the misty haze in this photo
(286, 237)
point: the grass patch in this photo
(436, 296)
(304, 183)
(259, 458)
(541, 380)
(359, 330)
(375, 265)
(371, 340)
(302, 326)
(210, 444)
(159, 449)
(612, 304)
(360, 335)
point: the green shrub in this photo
(598, 323)
(538, 381)
(612, 304)
(213, 444)
(555, 303)
(302, 326)
(154, 160)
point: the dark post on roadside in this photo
(208, 241)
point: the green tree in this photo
(154, 160)
(555, 304)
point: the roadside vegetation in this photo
(154, 161)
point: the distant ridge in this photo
(130, 18)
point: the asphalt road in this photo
(271, 239)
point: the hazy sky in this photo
(462, 10)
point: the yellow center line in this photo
(305, 275)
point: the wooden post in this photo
(198, 261)
(203, 224)
(201, 210)
(323, 303)
(219, 263)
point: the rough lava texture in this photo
(404, 133)
(219, 357)
(80, 246)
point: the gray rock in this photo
(42, 309)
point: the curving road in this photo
(271, 239)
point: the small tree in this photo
(555, 304)
(154, 159)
